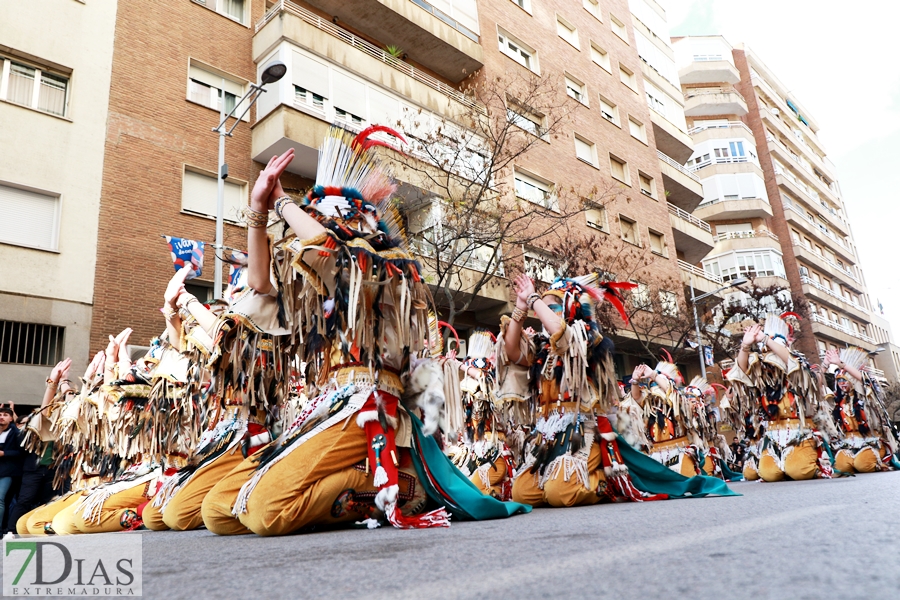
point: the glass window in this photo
(600, 56)
(575, 89)
(586, 151)
(619, 169)
(533, 190)
(609, 110)
(20, 88)
(517, 51)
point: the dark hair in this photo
(4, 409)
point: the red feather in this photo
(619, 285)
(452, 330)
(666, 352)
(361, 140)
(616, 301)
(787, 314)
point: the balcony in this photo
(822, 263)
(811, 153)
(743, 208)
(693, 236)
(838, 333)
(829, 297)
(811, 182)
(709, 71)
(425, 34)
(797, 215)
(746, 240)
(700, 280)
(701, 132)
(708, 102)
(683, 188)
(671, 140)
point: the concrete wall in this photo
(62, 156)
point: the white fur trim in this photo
(367, 416)
(609, 436)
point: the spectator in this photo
(737, 451)
(10, 463)
(37, 474)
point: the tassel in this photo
(435, 518)
(381, 477)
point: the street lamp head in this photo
(738, 281)
(272, 72)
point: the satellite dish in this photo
(776, 112)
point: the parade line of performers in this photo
(318, 394)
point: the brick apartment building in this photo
(771, 193)
(161, 154)
(171, 63)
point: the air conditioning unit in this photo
(804, 271)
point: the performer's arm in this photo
(750, 337)
(262, 199)
(170, 309)
(524, 289)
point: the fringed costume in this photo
(355, 302)
(868, 440)
(783, 403)
(480, 451)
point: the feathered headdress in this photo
(579, 295)
(776, 328)
(670, 371)
(353, 185)
(852, 357)
(699, 387)
(789, 317)
(481, 344)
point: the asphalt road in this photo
(813, 539)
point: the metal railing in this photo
(693, 270)
(368, 48)
(847, 330)
(683, 214)
(713, 125)
(692, 93)
(827, 261)
(738, 235)
(719, 160)
(819, 227)
(830, 292)
(674, 164)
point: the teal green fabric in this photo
(653, 477)
(447, 486)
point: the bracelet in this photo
(254, 218)
(534, 297)
(169, 313)
(187, 300)
(280, 204)
(519, 315)
(745, 347)
(51, 382)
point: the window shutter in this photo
(349, 94)
(29, 218)
(199, 194)
(310, 74)
(729, 183)
(213, 80)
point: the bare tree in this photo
(465, 217)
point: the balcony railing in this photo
(719, 160)
(738, 235)
(827, 261)
(713, 125)
(693, 92)
(685, 215)
(822, 229)
(698, 272)
(674, 164)
(847, 330)
(372, 50)
(830, 292)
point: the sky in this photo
(841, 65)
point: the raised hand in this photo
(61, 370)
(752, 334)
(176, 286)
(96, 366)
(524, 287)
(263, 196)
(832, 357)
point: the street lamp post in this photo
(694, 301)
(272, 72)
